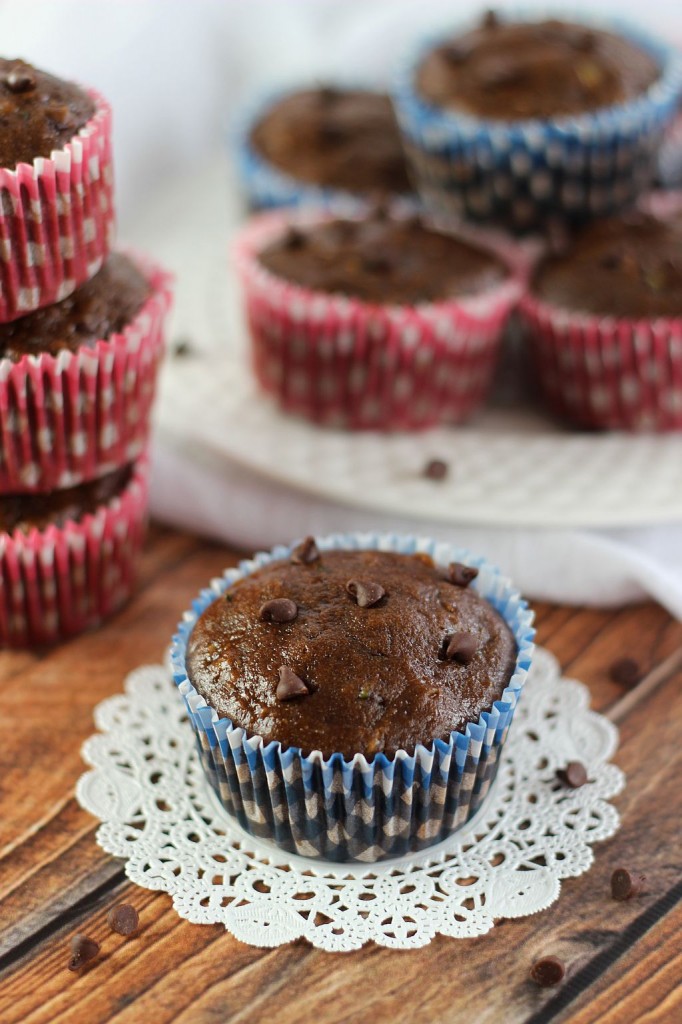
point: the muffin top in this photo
(382, 259)
(54, 508)
(338, 138)
(629, 266)
(351, 651)
(38, 112)
(508, 71)
(102, 306)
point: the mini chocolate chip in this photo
(456, 52)
(279, 610)
(123, 919)
(460, 647)
(328, 93)
(490, 20)
(83, 951)
(306, 552)
(290, 685)
(366, 592)
(21, 79)
(461, 575)
(625, 672)
(585, 42)
(610, 260)
(625, 885)
(294, 238)
(573, 775)
(330, 131)
(182, 348)
(548, 971)
(376, 263)
(435, 469)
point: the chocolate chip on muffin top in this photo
(385, 651)
(101, 307)
(382, 259)
(629, 266)
(336, 138)
(38, 112)
(54, 508)
(509, 71)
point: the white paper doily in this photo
(159, 814)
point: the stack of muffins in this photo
(81, 337)
(392, 318)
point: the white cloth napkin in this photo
(601, 568)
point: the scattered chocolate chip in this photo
(625, 885)
(290, 685)
(294, 238)
(328, 93)
(547, 971)
(490, 20)
(610, 261)
(585, 42)
(573, 775)
(456, 52)
(330, 131)
(279, 610)
(83, 951)
(306, 552)
(366, 592)
(123, 919)
(21, 79)
(461, 575)
(435, 469)
(460, 647)
(182, 348)
(625, 672)
(376, 263)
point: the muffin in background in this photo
(77, 378)
(604, 323)
(322, 144)
(518, 121)
(375, 320)
(69, 558)
(56, 184)
(328, 656)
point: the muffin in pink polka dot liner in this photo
(77, 379)
(69, 558)
(604, 322)
(373, 319)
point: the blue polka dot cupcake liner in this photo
(524, 173)
(358, 809)
(266, 186)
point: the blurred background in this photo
(177, 71)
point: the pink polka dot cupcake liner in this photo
(68, 418)
(608, 373)
(57, 218)
(343, 362)
(64, 579)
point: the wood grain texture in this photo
(55, 880)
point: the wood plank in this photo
(175, 971)
(46, 859)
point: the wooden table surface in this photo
(624, 959)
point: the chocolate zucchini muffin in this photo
(335, 138)
(38, 112)
(102, 306)
(26, 512)
(628, 266)
(507, 71)
(382, 259)
(351, 651)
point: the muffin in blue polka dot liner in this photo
(338, 805)
(535, 121)
(320, 145)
